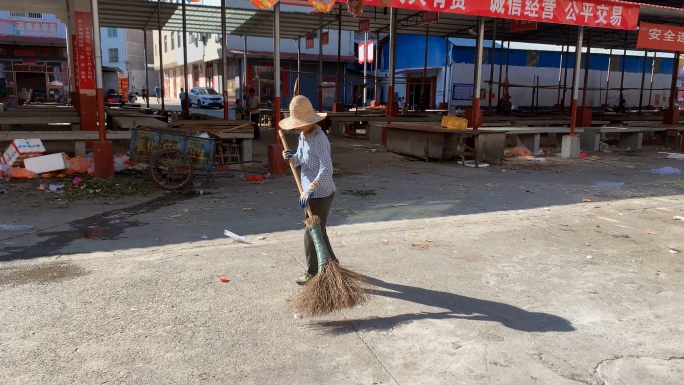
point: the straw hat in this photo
(301, 114)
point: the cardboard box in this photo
(21, 149)
(47, 163)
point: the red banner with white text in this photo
(589, 13)
(661, 37)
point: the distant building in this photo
(125, 50)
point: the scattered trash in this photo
(248, 209)
(520, 151)
(584, 155)
(471, 163)
(256, 178)
(676, 156)
(21, 173)
(47, 163)
(236, 237)
(15, 227)
(204, 237)
(77, 181)
(651, 232)
(678, 218)
(587, 200)
(421, 246)
(413, 234)
(114, 222)
(674, 251)
(537, 160)
(603, 147)
(590, 257)
(55, 187)
(261, 238)
(21, 149)
(224, 279)
(203, 135)
(610, 184)
(665, 171)
(385, 242)
(297, 316)
(3, 191)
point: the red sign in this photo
(84, 46)
(364, 25)
(370, 54)
(123, 89)
(362, 52)
(309, 41)
(427, 18)
(28, 62)
(661, 37)
(589, 13)
(29, 28)
(523, 25)
(325, 38)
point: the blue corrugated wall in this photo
(410, 49)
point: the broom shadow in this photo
(458, 307)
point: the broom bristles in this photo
(334, 288)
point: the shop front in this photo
(33, 74)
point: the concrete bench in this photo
(529, 137)
(630, 137)
(78, 137)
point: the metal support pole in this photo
(299, 66)
(491, 70)
(508, 56)
(498, 88)
(586, 72)
(673, 85)
(446, 64)
(421, 103)
(650, 87)
(560, 73)
(147, 75)
(71, 71)
(392, 61)
(575, 81)
(365, 71)
(224, 60)
(276, 75)
(339, 56)
(99, 94)
(186, 100)
(162, 74)
(478, 73)
(245, 81)
(610, 58)
(565, 76)
(320, 63)
(643, 79)
(624, 64)
(376, 60)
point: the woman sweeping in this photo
(313, 156)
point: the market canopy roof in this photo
(143, 14)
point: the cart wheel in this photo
(171, 169)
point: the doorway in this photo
(415, 86)
(32, 86)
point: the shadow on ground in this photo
(458, 307)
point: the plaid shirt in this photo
(313, 155)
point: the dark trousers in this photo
(321, 208)
(255, 119)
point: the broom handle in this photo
(294, 172)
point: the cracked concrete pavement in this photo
(521, 280)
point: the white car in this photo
(205, 97)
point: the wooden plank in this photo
(225, 123)
(124, 122)
(38, 120)
(38, 113)
(61, 135)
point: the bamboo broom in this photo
(334, 288)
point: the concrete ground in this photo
(517, 274)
